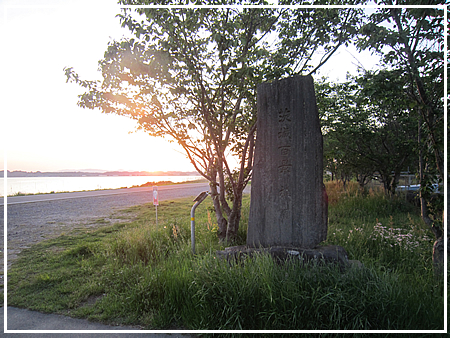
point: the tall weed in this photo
(146, 244)
(262, 295)
(386, 232)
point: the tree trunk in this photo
(438, 256)
(448, 225)
(238, 185)
(386, 183)
(430, 114)
(396, 180)
(389, 182)
(221, 221)
(361, 186)
(228, 227)
(438, 246)
(363, 179)
(423, 202)
(235, 217)
(222, 191)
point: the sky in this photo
(42, 127)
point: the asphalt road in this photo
(40, 324)
(39, 213)
(31, 218)
(79, 205)
(141, 195)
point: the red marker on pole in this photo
(155, 202)
(155, 196)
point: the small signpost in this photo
(155, 202)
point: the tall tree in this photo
(411, 41)
(190, 75)
(368, 130)
(308, 34)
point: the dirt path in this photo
(32, 219)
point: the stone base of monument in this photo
(331, 254)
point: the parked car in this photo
(416, 187)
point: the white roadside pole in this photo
(199, 199)
(155, 202)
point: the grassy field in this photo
(137, 273)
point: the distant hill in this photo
(107, 173)
(83, 170)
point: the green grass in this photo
(381, 231)
(137, 273)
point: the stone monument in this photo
(288, 201)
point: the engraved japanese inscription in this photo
(287, 187)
